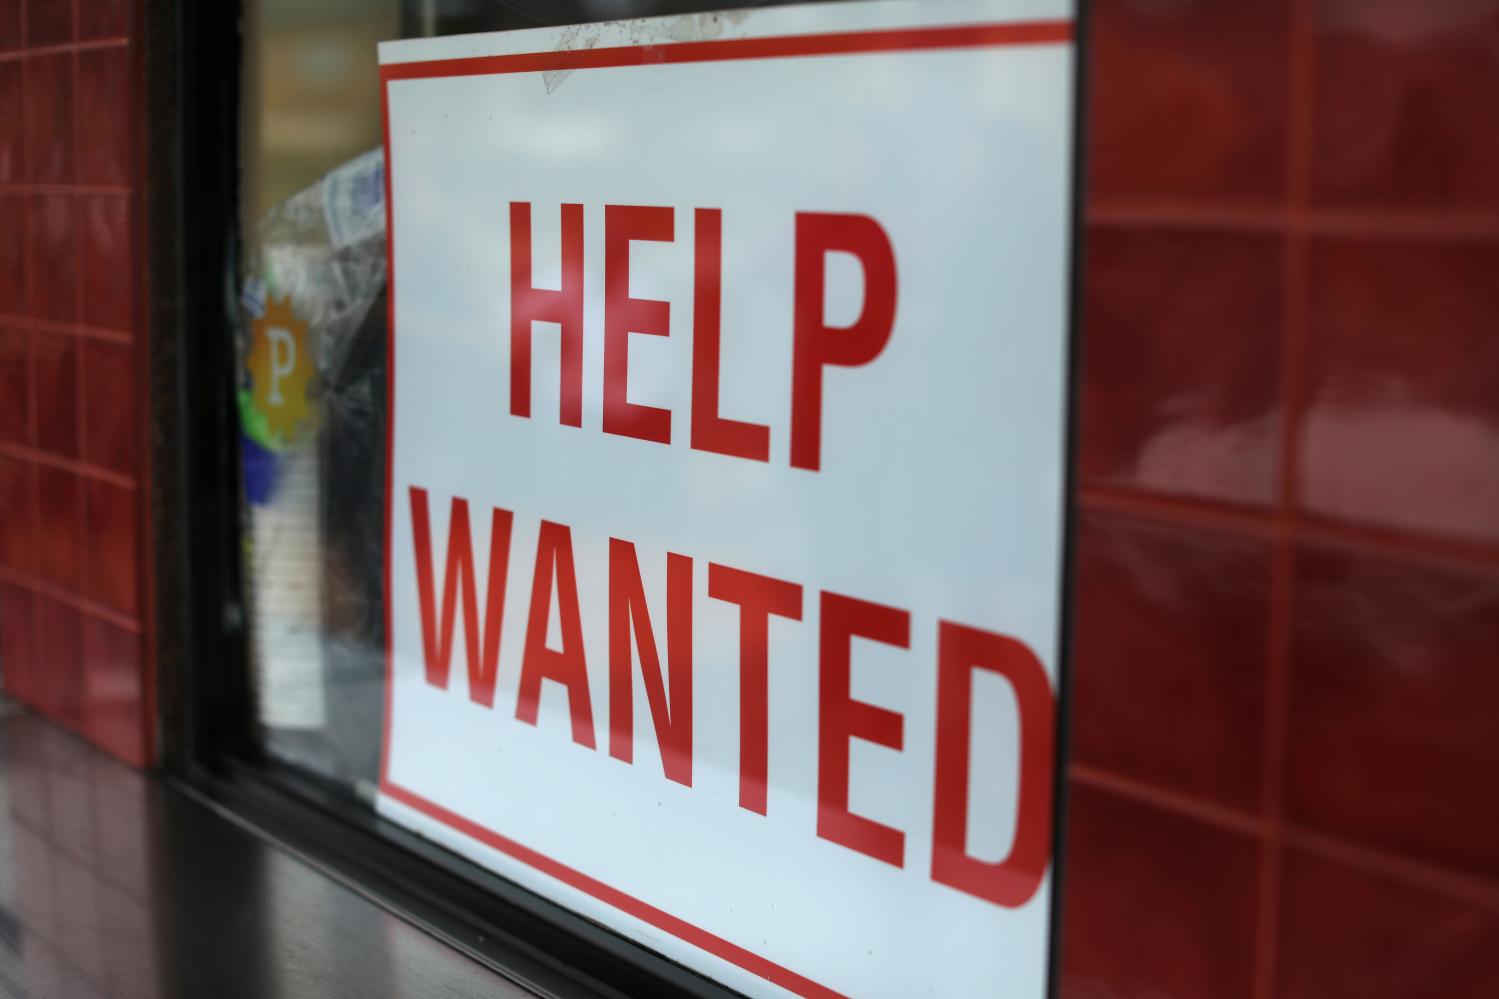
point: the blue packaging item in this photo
(260, 471)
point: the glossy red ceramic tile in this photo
(1174, 629)
(1181, 363)
(55, 363)
(19, 544)
(19, 641)
(1393, 687)
(69, 118)
(48, 22)
(52, 236)
(1401, 373)
(111, 423)
(105, 107)
(1405, 92)
(116, 705)
(1349, 934)
(110, 572)
(1157, 904)
(13, 226)
(60, 681)
(59, 519)
(15, 386)
(49, 118)
(10, 26)
(1188, 100)
(108, 261)
(12, 168)
(103, 18)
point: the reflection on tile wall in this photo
(1285, 776)
(72, 631)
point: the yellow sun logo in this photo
(281, 369)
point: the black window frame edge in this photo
(1082, 34)
(192, 110)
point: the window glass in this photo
(311, 342)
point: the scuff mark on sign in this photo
(702, 27)
(666, 31)
(576, 38)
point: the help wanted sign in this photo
(728, 376)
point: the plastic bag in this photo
(312, 408)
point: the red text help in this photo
(815, 344)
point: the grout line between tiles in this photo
(1294, 335)
(80, 468)
(92, 45)
(1305, 529)
(24, 187)
(1430, 877)
(100, 333)
(83, 571)
(1177, 802)
(1470, 887)
(63, 595)
(1321, 223)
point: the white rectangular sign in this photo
(726, 492)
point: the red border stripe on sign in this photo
(625, 902)
(780, 47)
(1021, 33)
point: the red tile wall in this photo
(1285, 776)
(73, 588)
